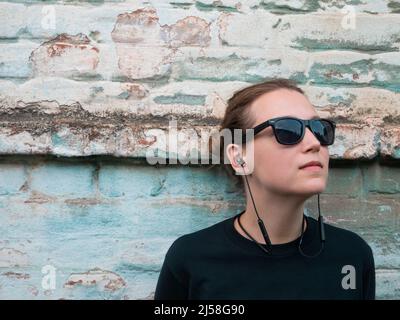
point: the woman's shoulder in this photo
(347, 239)
(208, 234)
(196, 240)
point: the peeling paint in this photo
(16, 275)
(191, 30)
(81, 104)
(105, 280)
(62, 55)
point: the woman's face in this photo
(276, 166)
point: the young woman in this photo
(272, 250)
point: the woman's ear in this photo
(235, 157)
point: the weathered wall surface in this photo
(87, 88)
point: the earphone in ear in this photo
(240, 161)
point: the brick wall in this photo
(88, 87)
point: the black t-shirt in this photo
(219, 263)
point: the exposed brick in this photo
(139, 26)
(188, 31)
(372, 106)
(355, 141)
(346, 105)
(390, 142)
(135, 90)
(66, 55)
(143, 62)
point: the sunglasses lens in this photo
(288, 131)
(324, 131)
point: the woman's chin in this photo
(313, 187)
(311, 190)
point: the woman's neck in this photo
(282, 216)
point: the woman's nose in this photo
(310, 138)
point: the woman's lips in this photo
(312, 168)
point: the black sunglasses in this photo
(290, 130)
